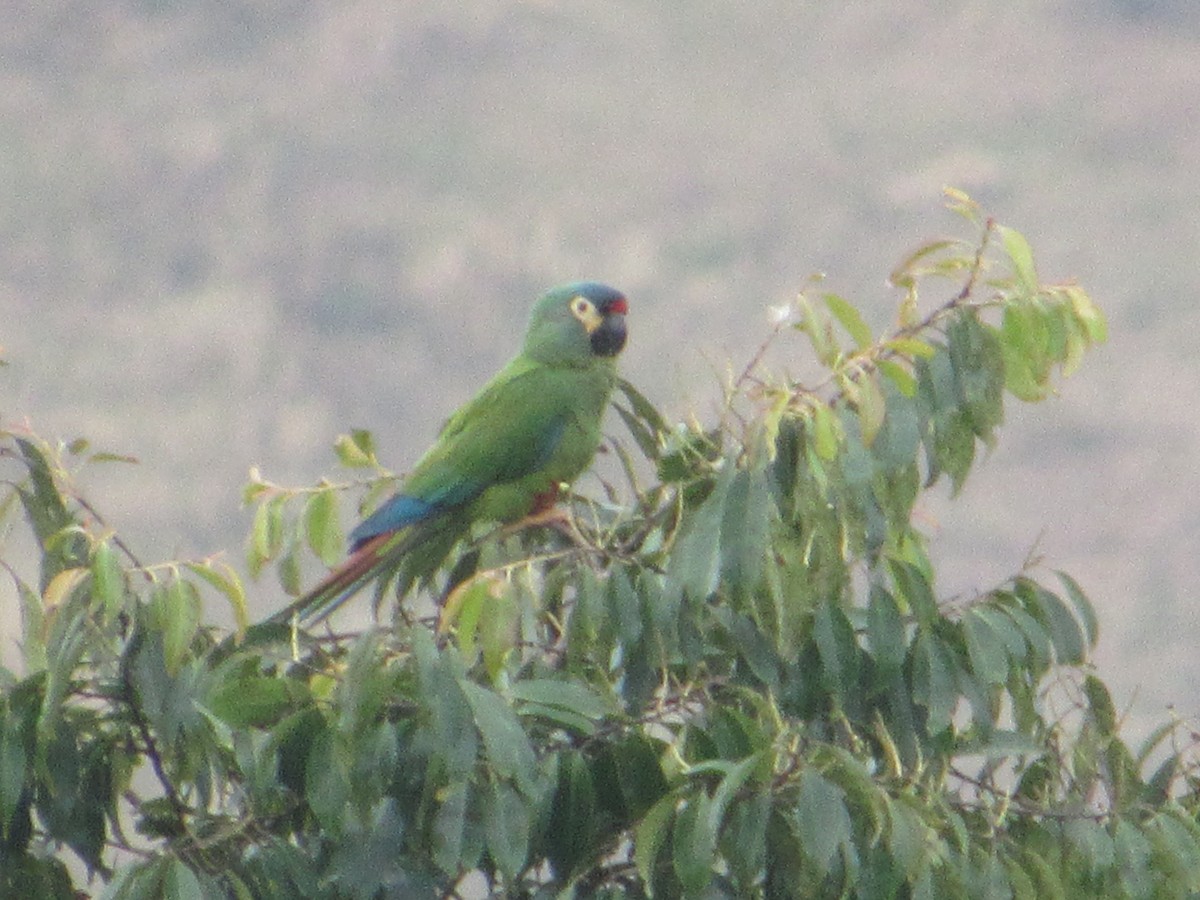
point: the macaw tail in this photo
(370, 560)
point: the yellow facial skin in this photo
(585, 311)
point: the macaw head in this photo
(574, 324)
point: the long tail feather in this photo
(364, 564)
(409, 554)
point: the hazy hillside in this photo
(230, 231)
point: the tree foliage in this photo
(733, 674)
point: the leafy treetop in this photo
(733, 677)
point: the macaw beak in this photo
(608, 333)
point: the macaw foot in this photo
(552, 517)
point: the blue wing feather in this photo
(398, 512)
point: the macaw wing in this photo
(509, 430)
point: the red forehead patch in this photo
(618, 306)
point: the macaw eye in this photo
(582, 308)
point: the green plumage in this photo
(500, 457)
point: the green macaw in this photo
(503, 455)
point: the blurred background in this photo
(231, 230)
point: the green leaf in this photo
(363, 690)
(33, 626)
(44, 504)
(1021, 255)
(1092, 842)
(1058, 322)
(108, 581)
(1155, 740)
(954, 448)
(950, 442)
(1019, 881)
(1076, 346)
(1176, 850)
(817, 325)
(75, 791)
(752, 644)
(255, 487)
(902, 378)
(1158, 787)
(356, 450)
(181, 883)
(449, 829)
(288, 569)
(327, 780)
(985, 648)
(743, 840)
(695, 843)
(908, 838)
(12, 769)
(1133, 857)
(1036, 636)
(630, 776)
(1088, 314)
(1000, 744)
(1161, 787)
(178, 612)
(506, 825)
(978, 362)
(139, 881)
(1083, 608)
(504, 740)
(933, 682)
(896, 449)
(645, 439)
(826, 432)
(1020, 378)
(906, 272)
(571, 828)
(498, 629)
(250, 701)
(643, 421)
(837, 649)
(642, 407)
(651, 834)
(822, 821)
(62, 586)
(64, 653)
(624, 606)
(886, 633)
(1100, 704)
(224, 579)
(365, 857)
(461, 611)
(1064, 629)
(914, 593)
(745, 530)
(589, 631)
(1049, 884)
(1003, 629)
(1024, 339)
(733, 782)
(322, 528)
(560, 694)
(850, 319)
(871, 407)
(695, 564)
(911, 347)
(266, 533)
(32, 876)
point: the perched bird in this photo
(503, 455)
